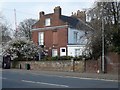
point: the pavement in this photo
(94, 76)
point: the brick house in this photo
(60, 35)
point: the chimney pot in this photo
(41, 14)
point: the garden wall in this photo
(91, 66)
(63, 65)
(113, 62)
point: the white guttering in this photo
(50, 28)
(76, 45)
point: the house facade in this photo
(59, 35)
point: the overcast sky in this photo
(26, 9)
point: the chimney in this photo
(41, 14)
(57, 11)
(81, 15)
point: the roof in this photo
(72, 21)
(77, 23)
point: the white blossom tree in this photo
(21, 49)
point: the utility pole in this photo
(16, 30)
(103, 41)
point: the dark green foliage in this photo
(78, 58)
(58, 58)
(15, 62)
(47, 58)
(116, 39)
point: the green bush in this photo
(78, 58)
(65, 58)
(14, 63)
(58, 58)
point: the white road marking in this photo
(87, 78)
(92, 79)
(45, 83)
(2, 78)
(78, 77)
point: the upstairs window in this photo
(47, 22)
(76, 37)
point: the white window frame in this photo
(54, 52)
(41, 38)
(76, 37)
(47, 22)
(77, 52)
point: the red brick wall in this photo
(55, 37)
(61, 36)
(91, 66)
(55, 21)
(35, 37)
(112, 64)
(48, 39)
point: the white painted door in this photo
(54, 52)
(63, 51)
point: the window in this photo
(47, 22)
(76, 37)
(54, 52)
(41, 38)
(63, 50)
(77, 52)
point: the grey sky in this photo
(31, 9)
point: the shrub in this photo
(21, 49)
(78, 58)
(58, 58)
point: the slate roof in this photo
(74, 22)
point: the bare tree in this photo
(25, 27)
(4, 29)
(110, 12)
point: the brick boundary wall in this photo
(91, 66)
(64, 65)
(113, 62)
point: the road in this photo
(19, 79)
